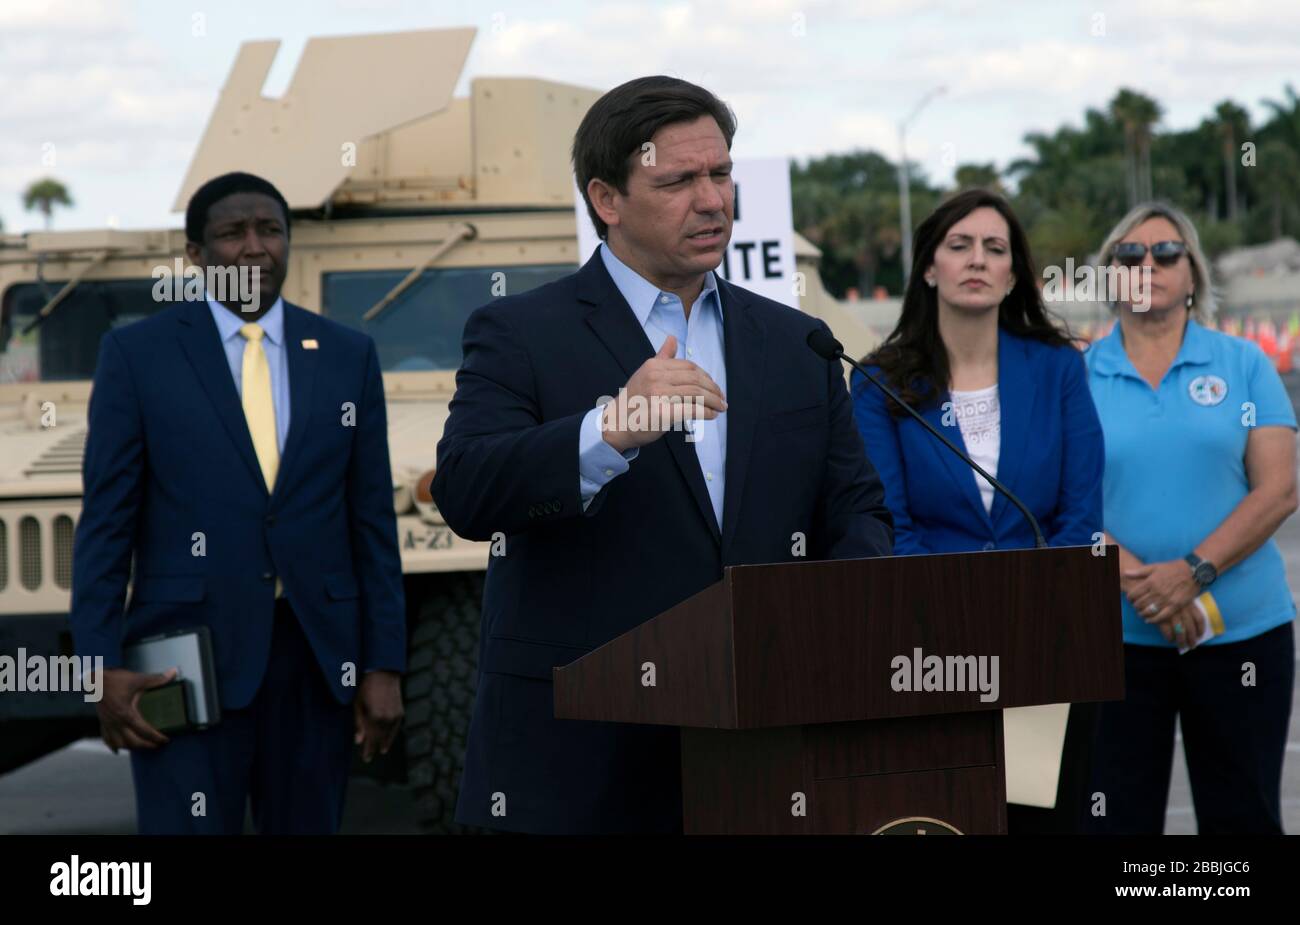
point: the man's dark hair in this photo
(625, 118)
(218, 188)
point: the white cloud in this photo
(62, 16)
(1050, 67)
(1253, 15)
(76, 84)
(864, 129)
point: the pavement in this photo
(86, 789)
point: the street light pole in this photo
(904, 184)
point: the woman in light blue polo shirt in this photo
(1200, 472)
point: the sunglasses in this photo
(1165, 253)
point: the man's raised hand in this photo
(661, 394)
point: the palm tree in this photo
(1119, 109)
(1232, 123)
(1149, 114)
(1286, 117)
(1137, 114)
(1279, 174)
(978, 176)
(44, 195)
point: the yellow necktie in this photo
(259, 409)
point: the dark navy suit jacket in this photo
(569, 581)
(168, 456)
(1051, 456)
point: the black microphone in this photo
(829, 348)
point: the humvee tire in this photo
(438, 693)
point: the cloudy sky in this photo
(118, 91)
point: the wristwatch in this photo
(1203, 573)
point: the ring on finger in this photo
(1153, 608)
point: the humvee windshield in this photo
(65, 345)
(422, 328)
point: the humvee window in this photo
(422, 328)
(65, 345)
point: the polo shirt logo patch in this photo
(1208, 390)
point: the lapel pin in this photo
(309, 343)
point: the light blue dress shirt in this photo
(698, 340)
(228, 325)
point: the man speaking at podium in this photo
(728, 442)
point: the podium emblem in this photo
(917, 825)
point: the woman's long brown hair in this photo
(913, 357)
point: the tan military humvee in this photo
(411, 208)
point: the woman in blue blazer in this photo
(976, 352)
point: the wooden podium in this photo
(787, 684)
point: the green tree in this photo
(1279, 174)
(1067, 192)
(1070, 189)
(978, 176)
(1233, 123)
(1217, 237)
(1137, 114)
(44, 195)
(1052, 176)
(1193, 160)
(1277, 148)
(1069, 231)
(847, 204)
(1285, 121)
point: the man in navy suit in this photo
(610, 515)
(239, 452)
